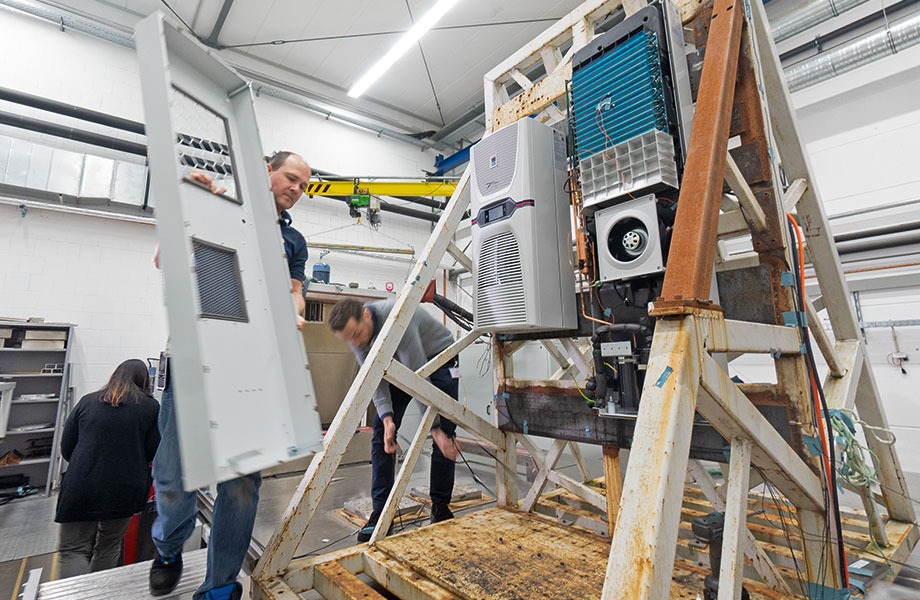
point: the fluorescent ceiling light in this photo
(405, 42)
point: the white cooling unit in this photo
(522, 261)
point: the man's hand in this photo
(445, 444)
(206, 180)
(300, 304)
(389, 436)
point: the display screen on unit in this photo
(495, 213)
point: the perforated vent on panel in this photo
(314, 312)
(500, 283)
(494, 159)
(220, 289)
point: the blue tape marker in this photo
(525, 426)
(794, 318)
(506, 395)
(776, 352)
(786, 278)
(816, 591)
(727, 453)
(664, 376)
(607, 312)
(813, 445)
(587, 433)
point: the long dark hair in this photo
(129, 382)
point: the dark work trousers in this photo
(384, 465)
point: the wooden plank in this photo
(586, 493)
(796, 164)
(575, 355)
(507, 488)
(793, 194)
(840, 391)
(335, 583)
(401, 580)
(834, 366)
(273, 589)
(402, 478)
(407, 380)
(460, 256)
(448, 354)
(732, 414)
(299, 574)
(727, 335)
(575, 449)
(504, 555)
(643, 547)
(736, 182)
(894, 485)
(613, 485)
(735, 520)
(533, 99)
(751, 547)
(296, 518)
(544, 465)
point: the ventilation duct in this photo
(811, 14)
(898, 36)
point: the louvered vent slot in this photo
(500, 283)
(314, 312)
(495, 158)
(220, 289)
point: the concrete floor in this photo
(328, 531)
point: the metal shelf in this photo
(31, 431)
(31, 374)
(43, 401)
(28, 461)
(33, 349)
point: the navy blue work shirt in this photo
(295, 247)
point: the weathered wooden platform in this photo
(559, 553)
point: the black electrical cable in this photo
(809, 355)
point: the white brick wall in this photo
(97, 273)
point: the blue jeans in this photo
(234, 509)
(383, 465)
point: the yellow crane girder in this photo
(381, 188)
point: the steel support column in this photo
(693, 246)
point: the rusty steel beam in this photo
(693, 246)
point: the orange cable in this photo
(814, 376)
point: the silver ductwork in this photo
(809, 15)
(863, 50)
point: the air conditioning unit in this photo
(522, 259)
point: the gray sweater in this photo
(424, 339)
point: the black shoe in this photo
(440, 512)
(165, 574)
(365, 533)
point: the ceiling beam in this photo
(219, 24)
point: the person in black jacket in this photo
(109, 439)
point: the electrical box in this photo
(523, 277)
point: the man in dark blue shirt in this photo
(289, 175)
(237, 500)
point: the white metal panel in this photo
(244, 396)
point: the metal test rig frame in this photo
(742, 92)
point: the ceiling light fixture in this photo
(405, 42)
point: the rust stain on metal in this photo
(694, 243)
(347, 584)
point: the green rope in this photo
(854, 468)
